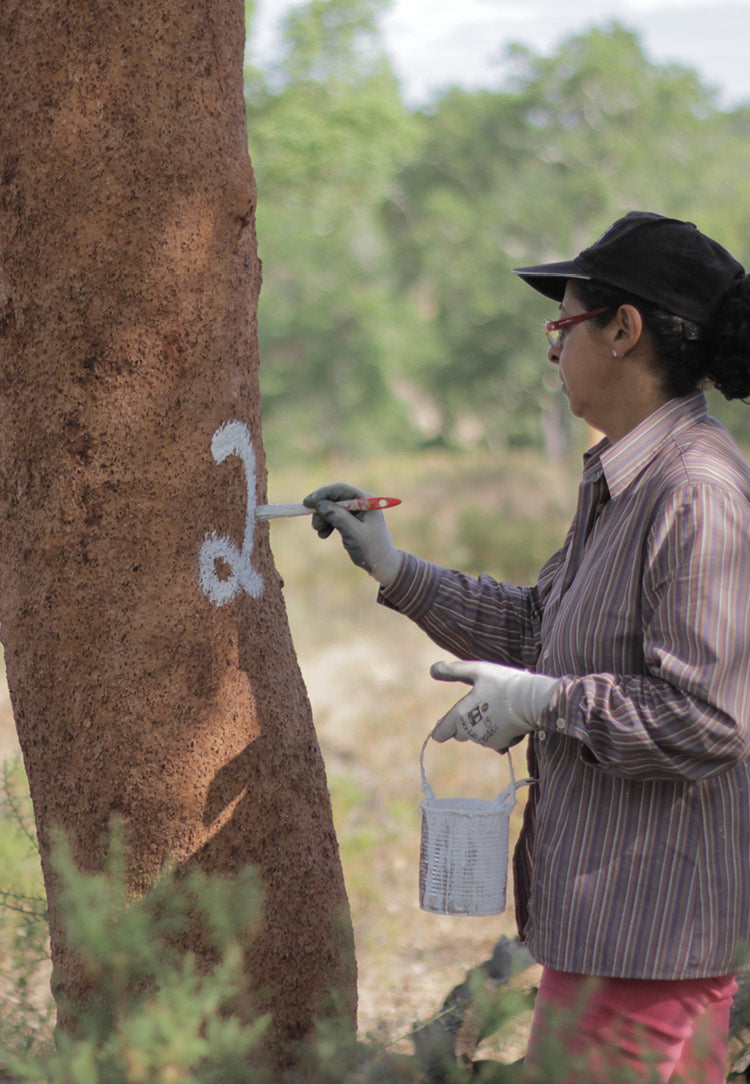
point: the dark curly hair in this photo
(690, 356)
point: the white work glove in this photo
(503, 705)
(365, 535)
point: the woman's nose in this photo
(553, 354)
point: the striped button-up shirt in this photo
(634, 858)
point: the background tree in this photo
(127, 340)
(524, 174)
(389, 309)
(330, 133)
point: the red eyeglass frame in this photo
(568, 321)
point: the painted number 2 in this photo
(232, 438)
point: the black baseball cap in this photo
(663, 260)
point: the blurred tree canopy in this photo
(389, 317)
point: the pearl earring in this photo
(614, 353)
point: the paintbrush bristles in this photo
(275, 511)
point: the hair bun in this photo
(730, 366)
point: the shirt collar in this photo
(623, 461)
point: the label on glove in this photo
(478, 725)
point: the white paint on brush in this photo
(232, 438)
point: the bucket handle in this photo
(429, 793)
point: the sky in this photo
(434, 44)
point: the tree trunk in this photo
(148, 653)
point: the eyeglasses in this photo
(554, 329)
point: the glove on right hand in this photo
(365, 536)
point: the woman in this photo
(628, 664)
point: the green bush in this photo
(159, 1015)
(26, 1008)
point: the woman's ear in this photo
(626, 330)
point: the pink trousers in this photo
(588, 1030)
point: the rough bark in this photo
(129, 285)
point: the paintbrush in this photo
(355, 504)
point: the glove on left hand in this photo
(503, 705)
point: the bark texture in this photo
(129, 284)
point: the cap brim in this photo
(550, 278)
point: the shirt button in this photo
(560, 724)
(542, 735)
